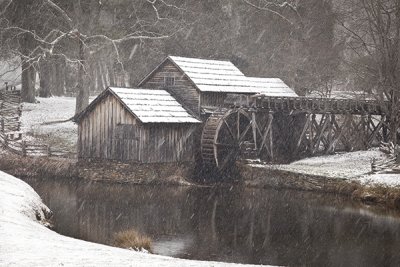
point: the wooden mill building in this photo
(202, 85)
(162, 121)
(136, 125)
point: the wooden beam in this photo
(254, 126)
(339, 134)
(267, 132)
(303, 132)
(321, 132)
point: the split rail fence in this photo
(11, 136)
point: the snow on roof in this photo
(221, 76)
(197, 68)
(153, 106)
(224, 77)
(250, 85)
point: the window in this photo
(169, 81)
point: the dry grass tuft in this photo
(132, 239)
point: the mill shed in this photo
(136, 125)
(203, 84)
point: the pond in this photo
(232, 224)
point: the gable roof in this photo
(270, 87)
(147, 105)
(221, 76)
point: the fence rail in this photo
(10, 126)
(24, 148)
(391, 164)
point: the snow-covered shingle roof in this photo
(206, 68)
(153, 106)
(148, 105)
(270, 87)
(221, 76)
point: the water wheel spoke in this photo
(229, 129)
(242, 136)
(238, 125)
(222, 134)
(229, 157)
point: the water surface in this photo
(259, 226)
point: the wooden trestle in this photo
(273, 128)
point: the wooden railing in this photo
(320, 105)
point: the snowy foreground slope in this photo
(25, 241)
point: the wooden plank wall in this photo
(111, 132)
(212, 99)
(183, 90)
(96, 129)
(167, 143)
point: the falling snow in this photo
(25, 241)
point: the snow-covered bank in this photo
(35, 119)
(352, 166)
(25, 241)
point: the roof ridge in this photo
(200, 58)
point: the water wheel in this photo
(226, 136)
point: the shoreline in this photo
(305, 175)
(27, 241)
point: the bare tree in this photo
(309, 53)
(372, 32)
(76, 30)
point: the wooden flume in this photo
(312, 126)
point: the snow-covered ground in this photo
(10, 72)
(25, 241)
(42, 121)
(350, 166)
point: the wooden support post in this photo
(5, 141)
(2, 125)
(340, 130)
(271, 139)
(364, 120)
(238, 125)
(266, 130)
(254, 126)
(321, 132)
(24, 148)
(303, 133)
(312, 133)
(375, 131)
(49, 151)
(385, 129)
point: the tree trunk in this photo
(28, 83)
(394, 118)
(45, 76)
(59, 77)
(28, 72)
(82, 88)
(111, 76)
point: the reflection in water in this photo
(228, 224)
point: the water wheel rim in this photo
(237, 136)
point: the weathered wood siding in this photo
(109, 131)
(98, 135)
(183, 90)
(212, 99)
(166, 143)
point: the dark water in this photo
(229, 224)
